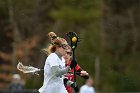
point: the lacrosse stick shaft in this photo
(74, 39)
(73, 50)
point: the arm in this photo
(58, 72)
(55, 69)
(82, 73)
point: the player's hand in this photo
(83, 73)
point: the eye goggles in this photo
(64, 46)
(69, 53)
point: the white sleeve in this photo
(58, 72)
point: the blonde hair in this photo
(55, 41)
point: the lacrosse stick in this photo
(73, 42)
(28, 69)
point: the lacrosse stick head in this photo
(27, 69)
(73, 39)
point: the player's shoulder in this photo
(52, 55)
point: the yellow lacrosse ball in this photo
(74, 39)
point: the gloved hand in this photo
(73, 64)
(75, 87)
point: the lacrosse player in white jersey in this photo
(54, 68)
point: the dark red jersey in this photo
(70, 76)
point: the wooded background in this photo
(109, 48)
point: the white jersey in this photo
(87, 89)
(53, 84)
